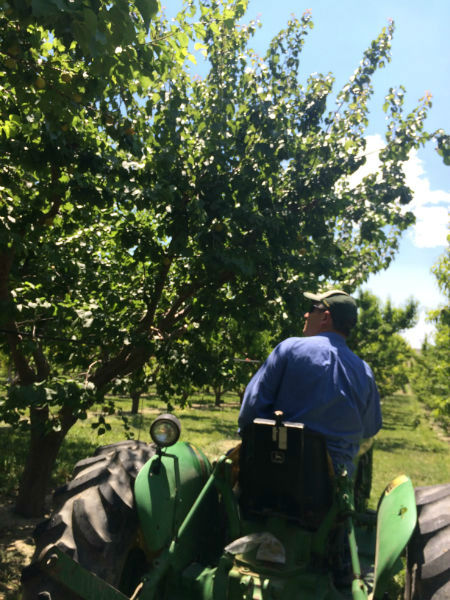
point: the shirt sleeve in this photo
(261, 393)
(372, 420)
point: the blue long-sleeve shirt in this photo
(320, 382)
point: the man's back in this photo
(318, 381)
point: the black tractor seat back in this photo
(284, 469)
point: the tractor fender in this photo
(396, 520)
(165, 489)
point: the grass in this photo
(408, 443)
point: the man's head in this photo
(334, 310)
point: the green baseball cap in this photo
(340, 304)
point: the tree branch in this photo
(165, 322)
(21, 364)
(132, 357)
(149, 316)
(41, 362)
(47, 218)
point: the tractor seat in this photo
(284, 470)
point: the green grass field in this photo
(409, 443)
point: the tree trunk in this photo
(43, 450)
(218, 395)
(34, 484)
(241, 393)
(135, 397)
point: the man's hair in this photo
(341, 325)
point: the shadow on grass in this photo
(207, 427)
(208, 406)
(388, 445)
(397, 413)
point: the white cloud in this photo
(431, 226)
(430, 207)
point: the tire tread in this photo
(94, 521)
(428, 552)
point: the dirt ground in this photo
(16, 549)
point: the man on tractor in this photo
(317, 380)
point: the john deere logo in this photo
(277, 457)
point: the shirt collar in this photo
(335, 338)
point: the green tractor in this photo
(270, 521)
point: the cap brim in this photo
(315, 297)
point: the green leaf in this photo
(90, 20)
(42, 8)
(148, 9)
(146, 82)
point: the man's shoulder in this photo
(304, 345)
(310, 339)
(293, 342)
(356, 361)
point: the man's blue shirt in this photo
(320, 382)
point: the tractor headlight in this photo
(165, 430)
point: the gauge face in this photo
(165, 430)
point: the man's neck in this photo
(333, 330)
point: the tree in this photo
(66, 75)
(254, 347)
(432, 372)
(196, 362)
(220, 359)
(142, 203)
(376, 339)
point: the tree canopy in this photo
(431, 374)
(378, 341)
(142, 204)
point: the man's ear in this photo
(327, 319)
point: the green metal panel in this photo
(397, 517)
(165, 489)
(75, 578)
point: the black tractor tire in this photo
(95, 522)
(428, 552)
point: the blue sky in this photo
(421, 63)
